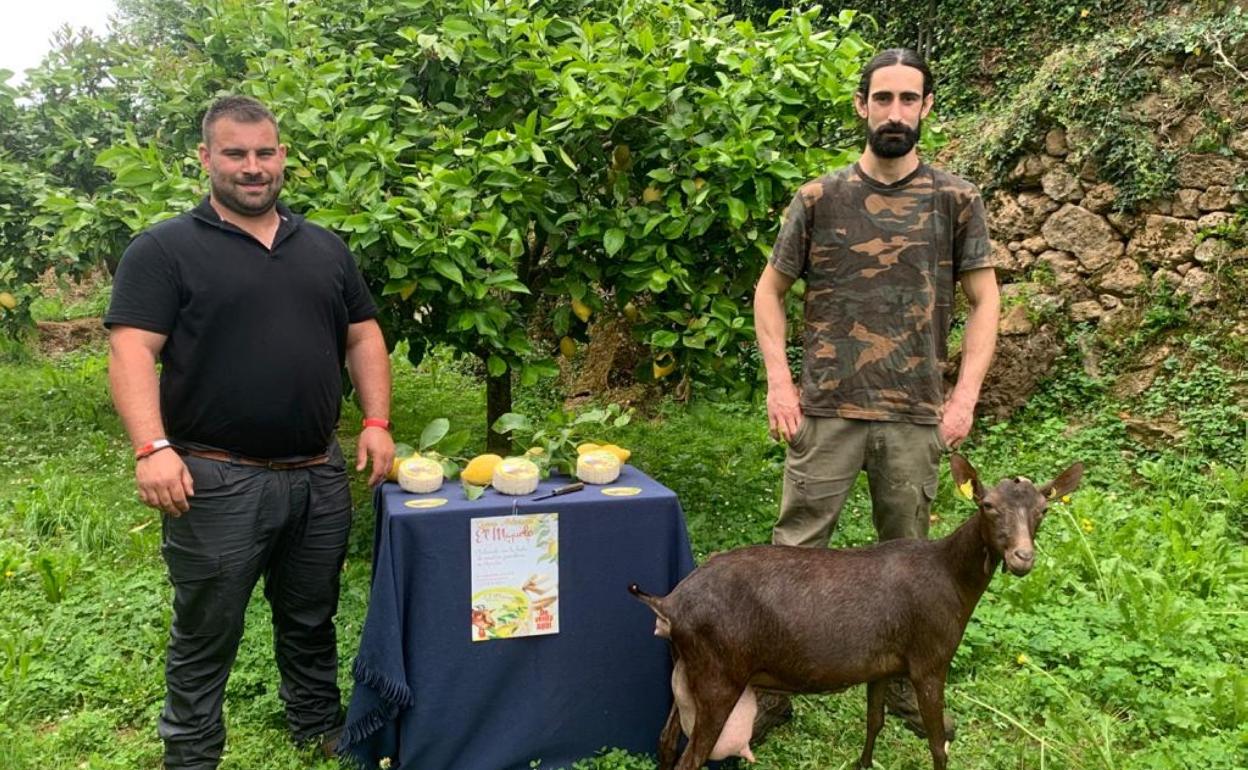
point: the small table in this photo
(429, 698)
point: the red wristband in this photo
(376, 422)
(151, 448)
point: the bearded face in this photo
(894, 139)
(894, 108)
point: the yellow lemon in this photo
(581, 310)
(619, 451)
(668, 366)
(651, 195)
(586, 448)
(567, 347)
(7, 301)
(480, 469)
(401, 453)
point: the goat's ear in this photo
(964, 474)
(1065, 483)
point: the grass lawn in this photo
(1125, 648)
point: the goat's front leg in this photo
(669, 738)
(875, 718)
(714, 701)
(930, 691)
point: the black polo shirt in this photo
(256, 337)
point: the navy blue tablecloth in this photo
(429, 698)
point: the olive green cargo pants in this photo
(902, 461)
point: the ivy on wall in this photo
(1097, 91)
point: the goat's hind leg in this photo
(875, 718)
(930, 692)
(669, 738)
(714, 701)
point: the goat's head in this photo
(1011, 511)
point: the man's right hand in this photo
(784, 410)
(164, 482)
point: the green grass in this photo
(1125, 648)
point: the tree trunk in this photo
(927, 33)
(497, 403)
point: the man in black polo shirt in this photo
(252, 313)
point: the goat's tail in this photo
(653, 602)
(662, 624)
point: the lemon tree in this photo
(487, 161)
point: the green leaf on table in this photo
(454, 443)
(434, 432)
(512, 421)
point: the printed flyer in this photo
(515, 576)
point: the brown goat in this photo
(805, 620)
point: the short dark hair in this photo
(242, 109)
(904, 56)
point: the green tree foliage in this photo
(484, 160)
(51, 131)
(984, 50)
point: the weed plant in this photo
(1125, 647)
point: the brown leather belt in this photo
(273, 465)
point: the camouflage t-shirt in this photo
(880, 262)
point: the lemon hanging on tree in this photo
(581, 310)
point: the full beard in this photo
(225, 193)
(885, 146)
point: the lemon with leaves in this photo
(581, 310)
(664, 364)
(620, 452)
(401, 453)
(480, 469)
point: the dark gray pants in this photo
(292, 527)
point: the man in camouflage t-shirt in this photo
(880, 245)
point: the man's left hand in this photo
(955, 426)
(376, 445)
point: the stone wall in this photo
(1065, 254)
(1102, 262)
